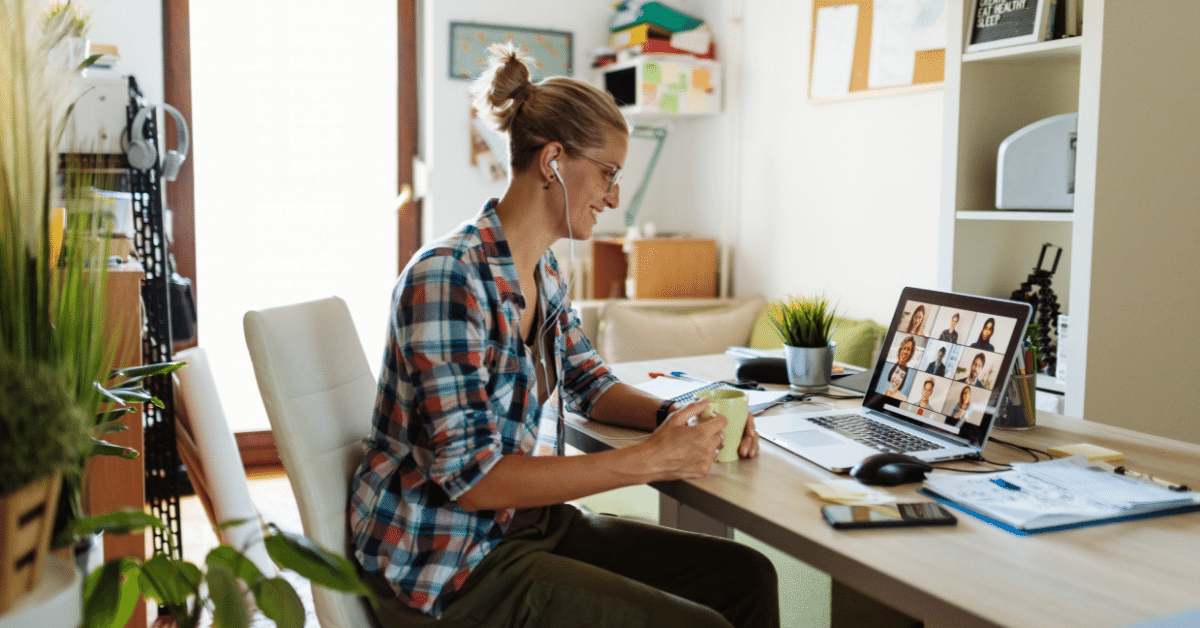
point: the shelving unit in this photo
(1128, 277)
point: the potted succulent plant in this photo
(806, 325)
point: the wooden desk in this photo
(971, 575)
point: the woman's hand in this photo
(748, 448)
(685, 446)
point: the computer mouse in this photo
(887, 469)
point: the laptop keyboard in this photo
(874, 434)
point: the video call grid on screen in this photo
(943, 365)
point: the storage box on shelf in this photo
(665, 84)
(654, 268)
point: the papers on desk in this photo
(1055, 495)
(685, 390)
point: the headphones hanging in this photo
(143, 154)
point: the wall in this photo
(683, 197)
(135, 27)
(838, 197)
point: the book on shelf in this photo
(648, 39)
(1057, 495)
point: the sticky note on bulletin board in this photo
(876, 47)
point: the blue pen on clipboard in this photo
(682, 375)
(1008, 485)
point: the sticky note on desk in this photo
(1092, 452)
(849, 492)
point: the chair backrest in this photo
(222, 476)
(319, 393)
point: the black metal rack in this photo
(162, 463)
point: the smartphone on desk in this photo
(888, 515)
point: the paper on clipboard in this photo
(833, 51)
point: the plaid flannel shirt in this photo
(457, 391)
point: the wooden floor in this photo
(272, 494)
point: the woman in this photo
(916, 324)
(455, 521)
(985, 336)
(905, 351)
(964, 404)
(923, 403)
(895, 380)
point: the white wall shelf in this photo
(1128, 276)
(1058, 49)
(1017, 216)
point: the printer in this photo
(1035, 167)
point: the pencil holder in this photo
(1017, 409)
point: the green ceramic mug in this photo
(734, 406)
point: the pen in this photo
(675, 375)
(1178, 488)
(682, 375)
(1008, 485)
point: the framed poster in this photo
(1000, 23)
(550, 50)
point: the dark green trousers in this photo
(577, 570)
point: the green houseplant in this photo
(806, 325)
(52, 307)
(224, 588)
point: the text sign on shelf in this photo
(996, 23)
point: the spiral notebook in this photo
(686, 389)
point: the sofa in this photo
(628, 330)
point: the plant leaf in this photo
(225, 525)
(129, 395)
(87, 63)
(170, 581)
(113, 415)
(110, 594)
(229, 607)
(112, 427)
(278, 601)
(147, 370)
(106, 393)
(105, 448)
(241, 567)
(303, 556)
(121, 521)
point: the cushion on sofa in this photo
(629, 333)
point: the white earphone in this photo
(143, 154)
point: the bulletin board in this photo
(865, 48)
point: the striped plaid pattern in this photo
(456, 392)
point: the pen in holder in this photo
(1017, 409)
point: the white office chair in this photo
(211, 456)
(319, 394)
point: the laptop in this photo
(933, 392)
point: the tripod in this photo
(1036, 291)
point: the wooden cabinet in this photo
(655, 268)
(1129, 278)
(114, 483)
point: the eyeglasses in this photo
(614, 172)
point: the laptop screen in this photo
(945, 361)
